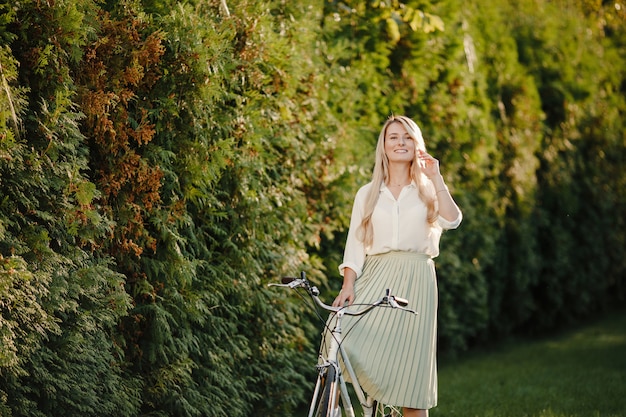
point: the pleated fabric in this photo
(394, 352)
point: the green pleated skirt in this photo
(394, 352)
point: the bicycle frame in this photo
(336, 351)
(332, 359)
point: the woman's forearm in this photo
(447, 207)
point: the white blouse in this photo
(398, 225)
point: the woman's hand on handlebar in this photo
(345, 295)
(347, 290)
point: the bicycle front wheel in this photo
(385, 410)
(326, 401)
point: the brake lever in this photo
(289, 282)
(397, 302)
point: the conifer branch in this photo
(225, 7)
(5, 85)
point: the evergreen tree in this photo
(60, 303)
(161, 162)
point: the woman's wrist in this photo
(439, 183)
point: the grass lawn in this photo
(579, 373)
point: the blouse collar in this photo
(383, 185)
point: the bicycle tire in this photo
(324, 408)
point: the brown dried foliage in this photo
(119, 71)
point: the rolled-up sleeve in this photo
(447, 224)
(354, 254)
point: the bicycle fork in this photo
(340, 389)
(337, 349)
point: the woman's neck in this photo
(399, 175)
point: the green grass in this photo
(579, 373)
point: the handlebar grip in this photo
(287, 280)
(403, 302)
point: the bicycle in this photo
(331, 397)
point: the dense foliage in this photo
(162, 161)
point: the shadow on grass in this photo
(581, 373)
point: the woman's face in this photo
(399, 146)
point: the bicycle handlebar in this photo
(302, 282)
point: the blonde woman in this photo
(397, 221)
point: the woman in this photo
(397, 221)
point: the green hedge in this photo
(161, 162)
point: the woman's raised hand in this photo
(429, 165)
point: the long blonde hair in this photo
(425, 187)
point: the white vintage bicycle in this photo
(331, 397)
